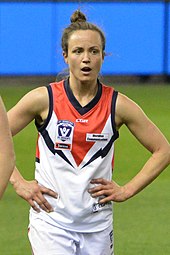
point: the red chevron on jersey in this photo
(91, 122)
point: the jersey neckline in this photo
(82, 109)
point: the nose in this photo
(86, 58)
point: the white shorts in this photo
(47, 239)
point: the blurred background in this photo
(137, 37)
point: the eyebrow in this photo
(80, 47)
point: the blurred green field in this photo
(141, 224)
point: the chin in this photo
(87, 78)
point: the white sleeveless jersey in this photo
(74, 146)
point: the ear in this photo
(65, 55)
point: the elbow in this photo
(166, 154)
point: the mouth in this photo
(86, 69)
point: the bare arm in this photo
(33, 105)
(130, 114)
(7, 157)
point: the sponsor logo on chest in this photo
(82, 120)
(97, 137)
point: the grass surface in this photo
(141, 224)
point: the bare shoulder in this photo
(35, 101)
(32, 106)
(126, 110)
(38, 97)
(130, 114)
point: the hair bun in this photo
(78, 16)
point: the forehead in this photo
(85, 37)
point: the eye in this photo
(94, 51)
(77, 51)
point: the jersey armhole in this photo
(113, 109)
(44, 125)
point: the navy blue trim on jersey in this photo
(37, 160)
(44, 133)
(82, 109)
(113, 109)
(102, 152)
(62, 155)
(50, 146)
(41, 127)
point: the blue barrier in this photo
(137, 36)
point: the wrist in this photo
(16, 179)
(128, 191)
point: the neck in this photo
(84, 92)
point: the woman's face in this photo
(85, 55)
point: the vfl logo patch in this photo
(97, 137)
(64, 135)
